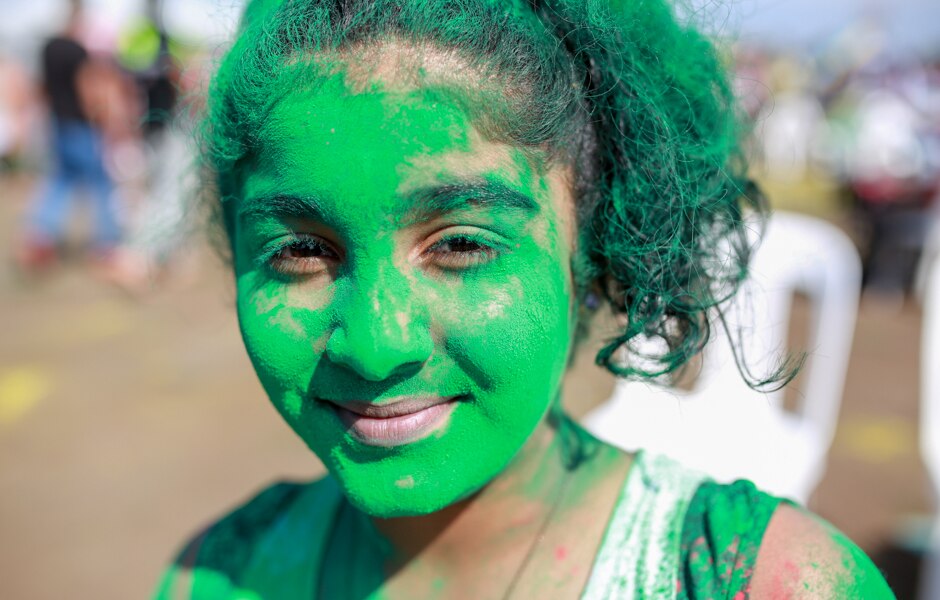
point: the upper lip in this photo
(397, 407)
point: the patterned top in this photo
(673, 534)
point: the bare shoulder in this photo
(803, 556)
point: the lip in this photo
(394, 423)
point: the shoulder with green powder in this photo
(804, 557)
(210, 565)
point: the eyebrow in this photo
(431, 200)
(460, 196)
(280, 205)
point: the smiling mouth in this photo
(394, 423)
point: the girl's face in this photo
(404, 289)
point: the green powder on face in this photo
(321, 178)
(485, 317)
(634, 98)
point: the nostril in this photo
(376, 358)
(381, 327)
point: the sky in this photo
(910, 25)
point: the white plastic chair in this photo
(724, 427)
(929, 255)
(930, 418)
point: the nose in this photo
(382, 329)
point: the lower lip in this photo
(394, 431)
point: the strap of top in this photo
(639, 556)
(721, 537)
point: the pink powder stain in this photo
(787, 577)
(561, 553)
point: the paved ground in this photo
(127, 423)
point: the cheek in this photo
(512, 335)
(285, 330)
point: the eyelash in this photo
(277, 260)
(320, 254)
(460, 260)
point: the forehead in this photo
(377, 129)
(377, 142)
(334, 133)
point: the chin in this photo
(391, 508)
(427, 475)
(423, 493)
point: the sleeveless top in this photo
(673, 534)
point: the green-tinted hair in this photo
(638, 103)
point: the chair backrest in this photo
(929, 254)
(797, 254)
(930, 377)
(930, 419)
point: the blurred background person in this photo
(88, 106)
(892, 176)
(147, 51)
(16, 100)
(169, 75)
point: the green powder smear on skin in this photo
(384, 321)
(661, 228)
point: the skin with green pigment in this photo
(634, 98)
(851, 575)
(384, 249)
(803, 557)
(353, 284)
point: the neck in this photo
(519, 496)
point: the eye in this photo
(460, 252)
(301, 256)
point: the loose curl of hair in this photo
(636, 101)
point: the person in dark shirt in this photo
(77, 153)
(62, 59)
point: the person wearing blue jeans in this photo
(78, 153)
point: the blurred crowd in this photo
(101, 123)
(117, 111)
(867, 123)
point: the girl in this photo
(424, 201)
